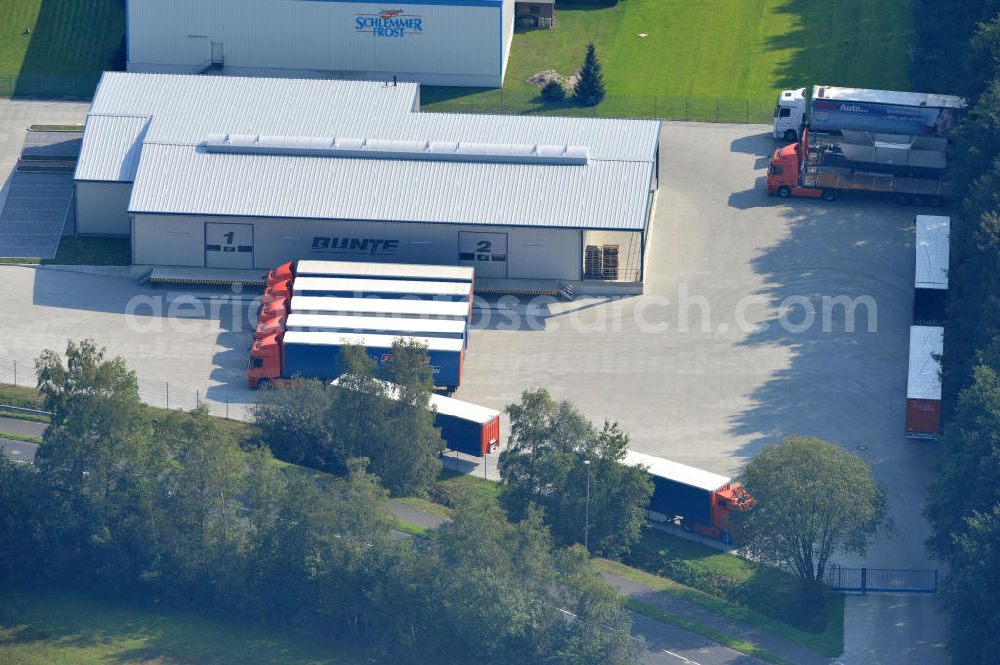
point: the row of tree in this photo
(172, 509)
(960, 53)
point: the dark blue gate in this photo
(884, 580)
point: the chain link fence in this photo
(160, 394)
(437, 99)
(739, 111)
(36, 86)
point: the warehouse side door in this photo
(486, 252)
(228, 245)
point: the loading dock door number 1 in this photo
(228, 245)
(486, 252)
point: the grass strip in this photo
(25, 438)
(830, 643)
(743, 646)
(424, 505)
(412, 529)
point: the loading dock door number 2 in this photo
(486, 252)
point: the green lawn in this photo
(764, 596)
(739, 51)
(56, 48)
(45, 627)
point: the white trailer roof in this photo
(304, 285)
(681, 473)
(383, 306)
(370, 341)
(423, 327)
(385, 270)
(448, 406)
(926, 346)
(894, 97)
(932, 249)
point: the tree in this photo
(544, 464)
(100, 461)
(553, 91)
(589, 88)
(971, 599)
(377, 412)
(201, 530)
(968, 479)
(811, 499)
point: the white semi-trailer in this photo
(834, 109)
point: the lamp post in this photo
(586, 520)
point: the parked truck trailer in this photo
(824, 166)
(699, 500)
(930, 281)
(835, 109)
(465, 427)
(923, 384)
(367, 270)
(279, 358)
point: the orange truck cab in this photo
(783, 173)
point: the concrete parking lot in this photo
(15, 118)
(717, 359)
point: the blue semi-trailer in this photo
(317, 355)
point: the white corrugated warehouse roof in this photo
(177, 175)
(682, 473)
(932, 242)
(926, 347)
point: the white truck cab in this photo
(789, 113)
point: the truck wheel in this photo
(791, 135)
(264, 384)
(829, 195)
(784, 191)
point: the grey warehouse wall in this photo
(521, 253)
(101, 208)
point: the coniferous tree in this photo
(589, 88)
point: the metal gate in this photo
(884, 580)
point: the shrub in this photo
(553, 91)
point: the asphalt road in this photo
(20, 450)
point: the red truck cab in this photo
(265, 361)
(284, 272)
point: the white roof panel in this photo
(422, 327)
(605, 194)
(932, 249)
(384, 270)
(382, 306)
(111, 148)
(687, 475)
(926, 346)
(307, 285)
(370, 341)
